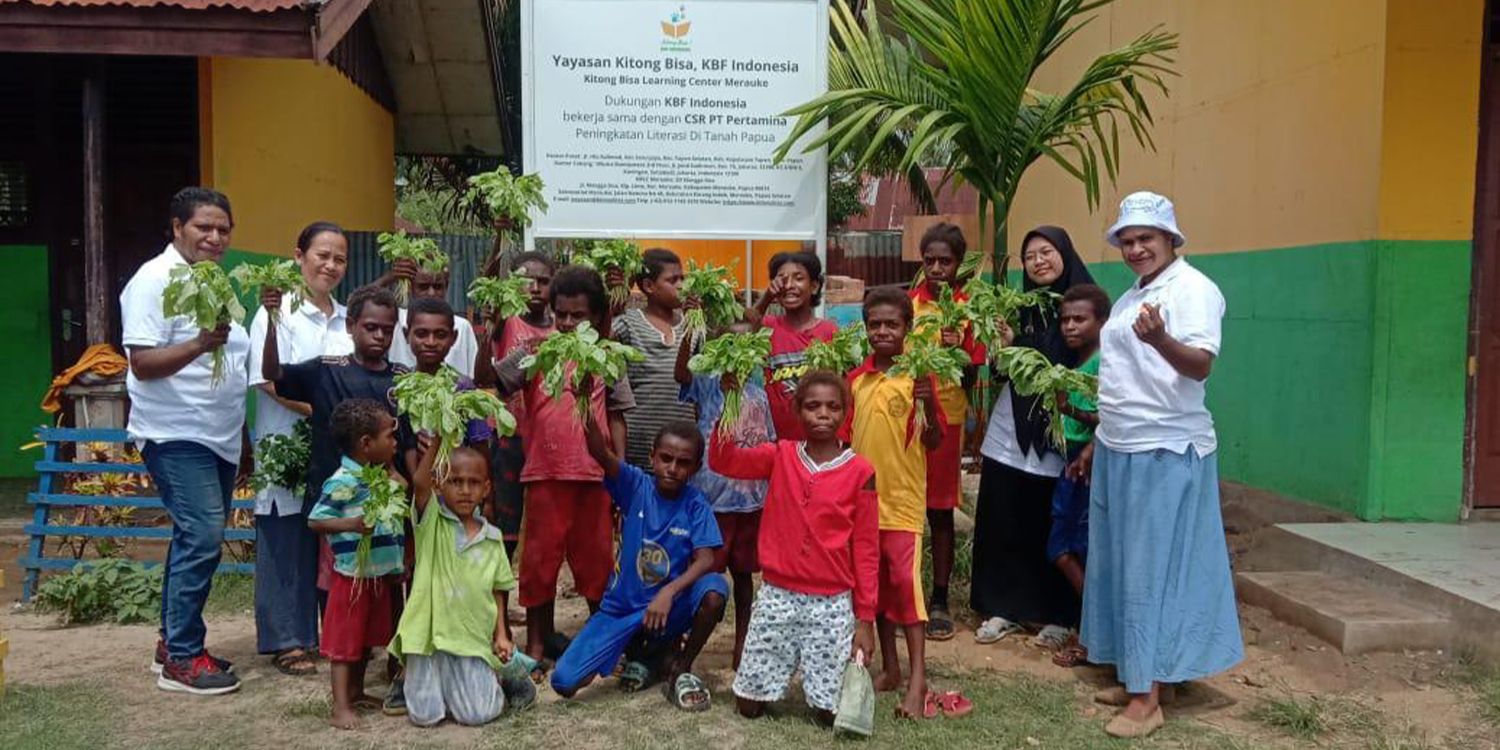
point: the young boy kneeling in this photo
(662, 583)
(452, 638)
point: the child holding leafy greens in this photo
(453, 637)
(364, 587)
(567, 508)
(286, 568)
(654, 331)
(883, 422)
(465, 353)
(736, 502)
(325, 382)
(430, 336)
(797, 286)
(943, 248)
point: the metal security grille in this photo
(15, 195)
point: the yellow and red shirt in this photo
(883, 432)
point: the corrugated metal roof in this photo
(888, 202)
(256, 6)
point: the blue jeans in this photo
(195, 486)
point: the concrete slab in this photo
(1355, 618)
(1461, 559)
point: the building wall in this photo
(27, 331)
(1321, 156)
(292, 142)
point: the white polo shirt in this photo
(1144, 403)
(460, 357)
(301, 334)
(184, 405)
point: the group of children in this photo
(821, 486)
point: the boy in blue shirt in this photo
(662, 587)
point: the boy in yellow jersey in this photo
(884, 409)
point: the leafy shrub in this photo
(117, 591)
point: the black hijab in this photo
(1041, 330)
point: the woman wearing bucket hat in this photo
(1159, 602)
(1014, 582)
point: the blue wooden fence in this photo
(50, 495)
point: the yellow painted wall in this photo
(1271, 135)
(1430, 122)
(292, 142)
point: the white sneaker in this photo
(994, 630)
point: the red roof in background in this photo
(889, 202)
(257, 6)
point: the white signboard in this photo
(653, 118)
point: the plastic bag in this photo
(520, 665)
(856, 714)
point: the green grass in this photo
(231, 595)
(1300, 718)
(45, 718)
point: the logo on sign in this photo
(674, 31)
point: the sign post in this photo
(658, 119)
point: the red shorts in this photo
(944, 466)
(741, 550)
(565, 521)
(901, 600)
(360, 615)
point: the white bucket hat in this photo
(1146, 209)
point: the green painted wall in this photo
(1342, 375)
(25, 354)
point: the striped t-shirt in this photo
(653, 381)
(344, 496)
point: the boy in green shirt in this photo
(1082, 313)
(452, 638)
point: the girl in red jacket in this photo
(819, 553)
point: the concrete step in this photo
(1355, 618)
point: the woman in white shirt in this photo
(1158, 600)
(1015, 584)
(286, 559)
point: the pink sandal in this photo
(954, 705)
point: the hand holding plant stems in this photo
(568, 360)
(949, 317)
(435, 406)
(992, 307)
(735, 354)
(926, 357)
(202, 293)
(844, 352)
(717, 301)
(511, 199)
(508, 297)
(386, 506)
(621, 255)
(422, 251)
(282, 276)
(281, 460)
(1032, 374)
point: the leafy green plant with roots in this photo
(952, 82)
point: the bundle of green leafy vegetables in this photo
(925, 356)
(567, 359)
(508, 297)
(737, 354)
(1032, 374)
(991, 304)
(281, 460)
(718, 301)
(385, 507)
(423, 251)
(623, 255)
(844, 352)
(511, 199)
(948, 313)
(203, 294)
(282, 275)
(434, 405)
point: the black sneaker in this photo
(395, 699)
(198, 675)
(160, 658)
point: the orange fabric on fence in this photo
(100, 359)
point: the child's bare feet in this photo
(885, 682)
(344, 718)
(914, 704)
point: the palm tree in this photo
(954, 87)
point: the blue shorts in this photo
(598, 646)
(1070, 515)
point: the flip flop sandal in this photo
(294, 662)
(930, 707)
(635, 676)
(1071, 655)
(954, 705)
(687, 684)
(367, 703)
(994, 630)
(1053, 638)
(940, 625)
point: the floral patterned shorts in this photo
(790, 630)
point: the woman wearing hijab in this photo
(1159, 605)
(1014, 584)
